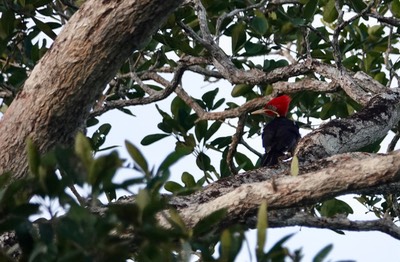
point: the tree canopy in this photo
(337, 59)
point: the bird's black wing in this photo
(279, 136)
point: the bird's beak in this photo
(267, 112)
(259, 111)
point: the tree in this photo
(337, 59)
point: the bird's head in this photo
(278, 106)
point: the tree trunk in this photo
(62, 88)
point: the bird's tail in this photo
(270, 158)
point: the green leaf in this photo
(254, 49)
(83, 149)
(221, 142)
(259, 23)
(262, 225)
(326, 111)
(184, 147)
(213, 128)
(241, 90)
(138, 157)
(126, 111)
(188, 180)
(33, 156)
(172, 186)
(103, 169)
(294, 166)
(44, 27)
(178, 105)
(208, 98)
(226, 243)
(395, 8)
(243, 161)
(238, 37)
(207, 223)
(143, 198)
(358, 5)
(7, 24)
(330, 13)
(99, 137)
(150, 139)
(270, 65)
(335, 206)
(309, 9)
(201, 129)
(171, 159)
(92, 122)
(277, 251)
(176, 220)
(203, 162)
(218, 103)
(323, 253)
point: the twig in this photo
(71, 186)
(244, 143)
(235, 141)
(393, 142)
(335, 38)
(169, 88)
(341, 24)
(190, 101)
(233, 13)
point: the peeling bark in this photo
(350, 134)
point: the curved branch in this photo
(235, 141)
(154, 96)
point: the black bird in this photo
(281, 134)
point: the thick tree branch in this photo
(63, 87)
(334, 176)
(350, 134)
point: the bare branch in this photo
(383, 225)
(235, 141)
(145, 88)
(387, 20)
(158, 95)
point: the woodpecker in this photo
(281, 134)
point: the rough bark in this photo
(241, 195)
(351, 134)
(63, 86)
